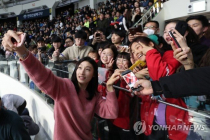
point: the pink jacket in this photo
(72, 112)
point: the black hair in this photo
(71, 38)
(86, 29)
(92, 87)
(53, 36)
(101, 30)
(144, 40)
(47, 41)
(115, 52)
(119, 11)
(165, 47)
(154, 21)
(56, 39)
(204, 21)
(126, 56)
(113, 48)
(34, 47)
(94, 51)
(119, 33)
(81, 34)
(102, 44)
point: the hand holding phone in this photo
(134, 30)
(130, 79)
(22, 40)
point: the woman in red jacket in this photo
(107, 57)
(119, 128)
(144, 49)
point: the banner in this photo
(33, 15)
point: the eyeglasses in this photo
(150, 27)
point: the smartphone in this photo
(174, 39)
(137, 63)
(130, 79)
(134, 30)
(22, 40)
(181, 27)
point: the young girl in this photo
(119, 129)
(152, 112)
(76, 100)
(107, 57)
(191, 38)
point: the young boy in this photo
(94, 55)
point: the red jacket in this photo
(160, 66)
(124, 99)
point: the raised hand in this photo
(7, 40)
(110, 64)
(7, 43)
(183, 54)
(142, 73)
(56, 53)
(115, 76)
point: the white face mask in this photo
(149, 31)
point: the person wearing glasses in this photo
(69, 42)
(151, 27)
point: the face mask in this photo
(149, 31)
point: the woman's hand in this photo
(115, 76)
(183, 54)
(110, 64)
(180, 39)
(7, 43)
(142, 73)
(146, 87)
(138, 34)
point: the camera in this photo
(42, 49)
(98, 34)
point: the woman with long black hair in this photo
(76, 100)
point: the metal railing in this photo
(150, 13)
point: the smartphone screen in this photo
(130, 79)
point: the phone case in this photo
(181, 27)
(137, 63)
(174, 39)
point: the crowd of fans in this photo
(108, 37)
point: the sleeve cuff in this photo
(111, 95)
(157, 90)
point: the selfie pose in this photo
(76, 100)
